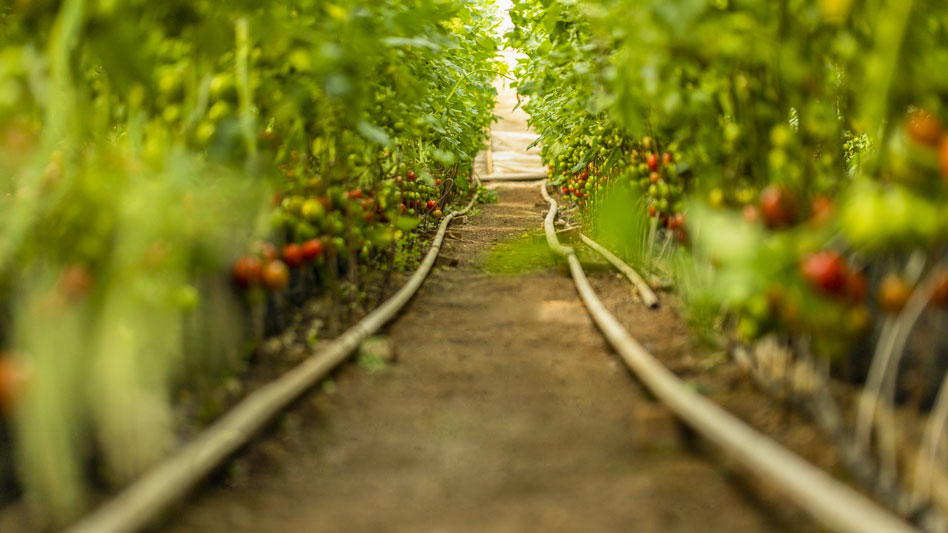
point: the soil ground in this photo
(504, 410)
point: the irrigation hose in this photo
(645, 292)
(828, 501)
(137, 505)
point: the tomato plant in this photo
(164, 162)
(806, 168)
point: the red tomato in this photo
(247, 271)
(923, 127)
(293, 255)
(652, 162)
(411, 175)
(778, 206)
(652, 210)
(431, 204)
(276, 275)
(354, 194)
(312, 249)
(826, 271)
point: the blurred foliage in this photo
(805, 143)
(142, 147)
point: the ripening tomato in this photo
(247, 271)
(276, 275)
(943, 158)
(652, 162)
(825, 270)
(293, 255)
(940, 288)
(13, 378)
(778, 206)
(682, 235)
(437, 213)
(275, 200)
(654, 177)
(312, 249)
(856, 286)
(75, 281)
(821, 209)
(923, 127)
(894, 293)
(666, 158)
(652, 210)
(265, 249)
(750, 214)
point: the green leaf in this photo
(406, 223)
(374, 133)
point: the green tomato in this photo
(185, 297)
(305, 231)
(313, 211)
(748, 329)
(222, 87)
(219, 111)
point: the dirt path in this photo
(505, 411)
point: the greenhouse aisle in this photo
(511, 155)
(512, 416)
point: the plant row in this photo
(175, 175)
(794, 151)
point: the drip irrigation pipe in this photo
(828, 501)
(136, 506)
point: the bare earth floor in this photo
(504, 411)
